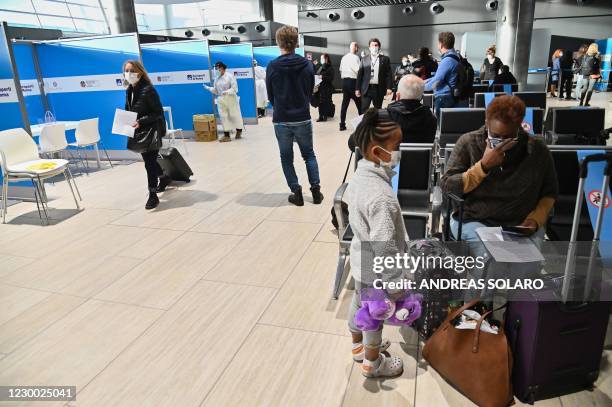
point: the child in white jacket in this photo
(375, 217)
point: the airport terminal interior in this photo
(156, 248)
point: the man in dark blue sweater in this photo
(290, 82)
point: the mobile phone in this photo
(517, 230)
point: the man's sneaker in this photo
(385, 366)
(164, 181)
(225, 139)
(359, 351)
(342, 127)
(297, 198)
(153, 201)
(317, 196)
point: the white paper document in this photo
(354, 122)
(318, 80)
(508, 249)
(122, 124)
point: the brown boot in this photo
(238, 134)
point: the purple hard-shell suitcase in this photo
(556, 345)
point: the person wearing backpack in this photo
(450, 83)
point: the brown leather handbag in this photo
(478, 364)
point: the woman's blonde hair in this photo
(593, 49)
(138, 67)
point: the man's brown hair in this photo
(287, 38)
(447, 39)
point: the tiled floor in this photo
(220, 297)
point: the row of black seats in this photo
(531, 99)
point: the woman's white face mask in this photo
(404, 62)
(131, 77)
(393, 162)
(322, 60)
(374, 50)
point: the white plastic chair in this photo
(19, 160)
(88, 135)
(53, 139)
(171, 132)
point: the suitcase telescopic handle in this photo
(584, 165)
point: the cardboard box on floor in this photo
(205, 127)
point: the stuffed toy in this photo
(376, 308)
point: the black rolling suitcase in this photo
(174, 165)
(557, 338)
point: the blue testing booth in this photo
(178, 71)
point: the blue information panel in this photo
(239, 61)
(93, 87)
(24, 60)
(179, 70)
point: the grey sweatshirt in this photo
(374, 216)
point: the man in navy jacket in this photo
(290, 82)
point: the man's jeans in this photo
(301, 133)
(443, 101)
(493, 270)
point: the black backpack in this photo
(465, 78)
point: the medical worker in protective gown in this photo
(226, 89)
(260, 89)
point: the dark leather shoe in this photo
(153, 201)
(297, 198)
(342, 127)
(317, 196)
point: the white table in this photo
(36, 129)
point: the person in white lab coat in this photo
(226, 89)
(260, 89)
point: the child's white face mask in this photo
(394, 161)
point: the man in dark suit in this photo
(374, 78)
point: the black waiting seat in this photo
(538, 121)
(454, 122)
(428, 100)
(501, 88)
(576, 125)
(479, 98)
(533, 99)
(559, 224)
(414, 187)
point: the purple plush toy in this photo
(376, 308)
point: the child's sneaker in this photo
(359, 350)
(385, 366)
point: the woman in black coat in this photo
(142, 98)
(491, 65)
(326, 88)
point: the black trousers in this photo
(154, 170)
(372, 96)
(565, 84)
(348, 94)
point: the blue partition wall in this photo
(178, 70)
(239, 61)
(264, 55)
(24, 59)
(83, 79)
(10, 109)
